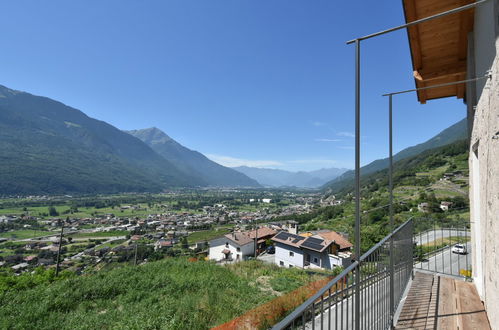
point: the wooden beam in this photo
(428, 74)
(465, 26)
(415, 44)
(413, 32)
(422, 95)
(461, 88)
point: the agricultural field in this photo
(24, 233)
(207, 235)
(100, 234)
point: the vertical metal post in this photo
(458, 256)
(59, 250)
(390, 182)
(135, 258)
(357, 182)
(256, 239)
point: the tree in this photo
(185, 243)
(53, 212)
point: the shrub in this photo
(268, 314)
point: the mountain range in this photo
(454, 133)
(47, 147)
(190, 162)
(280, 178)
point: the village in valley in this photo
(59, 232)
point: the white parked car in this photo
(459, 248)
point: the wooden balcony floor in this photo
(438, 302)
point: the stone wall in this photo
(484, 194)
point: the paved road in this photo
(432, 235)
(447, 262)
(268, 258)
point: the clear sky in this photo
(264, 83)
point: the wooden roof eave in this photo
(441, 57)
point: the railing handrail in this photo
(300, 309)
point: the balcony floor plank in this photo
(437, 302)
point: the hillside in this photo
(47, 147)
(456, 132)
(169, 294)
(435, 175)
(281, 178)
(422, 170)
(190, 162)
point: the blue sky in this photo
(261, 83)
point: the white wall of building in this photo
(215, 252)
(283, 257)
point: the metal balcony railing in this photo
(435, 243)
(384, 271)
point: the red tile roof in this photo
(334, 236)
(262, 232)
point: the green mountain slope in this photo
(435, 175)
(456, 132)
(422, 170)
(192, 163)
(47, 147)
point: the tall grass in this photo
(168, 294)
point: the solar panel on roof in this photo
(313, 243)
(312, 246)
(315, 240)
(282, 235)
(296, 240)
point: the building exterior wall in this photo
(318, 260)
(484, 172)
(336, 261)
(282, 255)
(215, 252)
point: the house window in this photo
(227, 244)
(316, 260)
(281, 263)
(238, 249)
(290, 266)
(291, 254)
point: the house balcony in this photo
(412, 279)
(436, 301)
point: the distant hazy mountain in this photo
(454, 133)
(48, 147)
(280, 178)
(191, 162)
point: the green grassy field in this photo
(168, 294)
(25, 233)
(87, 212)
(103, 234)
(207, 235)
